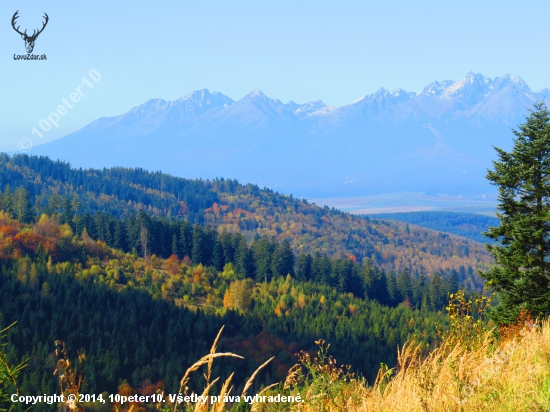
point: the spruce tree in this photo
(303, 271)
(186, 239)
(282, 261)
(521, 274)
(75, 205)
(436, 292)
(197, 253)
(120, 236)
(23, 208)
(391, 282)
(66, 211)
(404, 283)
(218, 259)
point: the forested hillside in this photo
(146, 319)
(53, 187)
(140, 270)
(469, 225)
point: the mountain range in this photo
(439, 140)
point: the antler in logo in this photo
(29, 40)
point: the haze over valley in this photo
(436, 141)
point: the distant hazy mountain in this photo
(437, 140)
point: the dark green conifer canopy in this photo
(521, 275)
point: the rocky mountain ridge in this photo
(437, 140)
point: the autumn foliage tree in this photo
(239, 295)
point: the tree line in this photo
(261, 259)
(56, 188)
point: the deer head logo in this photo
(29, 40)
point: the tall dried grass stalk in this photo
(226, 388)
(496, 375)
(251, 379)
(225, 391)
(256, 405)
(201, 406)
(202, 361)
(212, 351)
(513, 375)
(292, 376)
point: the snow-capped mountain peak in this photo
(470, 89)
(311, 107)
(391, 140)
(206, 98)
(513, 82)
(436, 88)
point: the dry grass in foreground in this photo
(513, 375)
(510, 373)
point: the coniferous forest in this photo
(140, 270)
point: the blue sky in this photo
(335, 51)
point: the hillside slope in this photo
(147, 319)
(247, 209)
